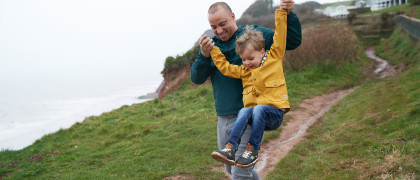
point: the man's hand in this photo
(287, 5)
(206, 45)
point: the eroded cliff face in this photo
(173, 81)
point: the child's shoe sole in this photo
(246, 165)
(219, 157)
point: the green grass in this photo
(150, 140)
(142, 141)
(373, 133)
(409, 10)
(398, 49)
(319, 79)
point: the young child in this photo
(264, 90)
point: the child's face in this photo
(252, 58)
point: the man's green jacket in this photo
(227, 91)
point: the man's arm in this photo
(294, 32)
(201, 69)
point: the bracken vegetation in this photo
(328, 45)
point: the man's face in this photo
(223, 24)
(252, 58)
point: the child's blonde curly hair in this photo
(251, 36)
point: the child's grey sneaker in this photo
(248, 158)
(226, 155)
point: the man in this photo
(228, 91)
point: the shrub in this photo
(323, 45)
(178, 62)
(414, 2)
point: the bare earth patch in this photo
(179, 177)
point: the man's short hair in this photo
(215, 7)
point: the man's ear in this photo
(233, 17)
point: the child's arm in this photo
(227, 69)
(278, 49)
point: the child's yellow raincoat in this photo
(266, 84)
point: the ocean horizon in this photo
(27, 115)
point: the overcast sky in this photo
(82, 37)
(55, 36)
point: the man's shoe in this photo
(249, 158)
(226, 155)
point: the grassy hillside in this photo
(399, 50)
(150, 140)
(373, 133)
(156, 139)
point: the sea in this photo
(36, 107)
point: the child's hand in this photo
(287, 5)
(206, 45)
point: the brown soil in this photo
(309, 111)
(179, 177)
(173, 81)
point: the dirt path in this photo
(309, 111)
(383, 69)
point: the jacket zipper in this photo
(227, 55)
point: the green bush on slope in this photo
(178, 62)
